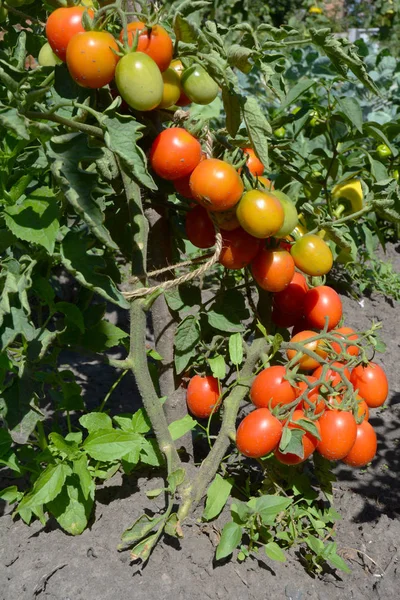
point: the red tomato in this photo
(203, 396)
(175, 153)
(331, 375)
(346, 334)
(270, 387)
(62, 25)
(91, 60)
(253, 163)
(154, 41)
(306, 362)
(258, 434)
(338, 434)
(371, 382)
(216, 185)
(309, 442)
(364, 448)
(182, 186)
(362, 409)
(291, 299)
(312, 400)
(238, 248)
(199, 228)
(273, 270)
(321, 302)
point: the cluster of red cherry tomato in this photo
(140, 61)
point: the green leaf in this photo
(67, 447)
(351, 109)
(217, 495)
(218, 366)
(86, 268)
(185, 31)
(238, 56)
(232, 104)
(47, 487)
(121, 136)
(72, 313)
(230, 539)
(337, 561)
(316, 545)
(175, 479)
(375, 130)
(258, 128)
(187, 336)
(80, 468)
(95, 421)
(10, 494)
(173, 526)
(182, 426)
(273, 551)
(296, 91)
(71, 509)
(140, 528)
(268, 506)
(5, 442)
(236, 349)
(102, 336)
(150, 454)
(141, 422)
(10, 119)
(292, 442)
(66, 154)
(109, 445)
(35, 220)
(183, 297)
(228, 312)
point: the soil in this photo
(45, 563)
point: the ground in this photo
(44, 563)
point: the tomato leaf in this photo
(296, 91)
(258, 128)
(5, 442)
(102, 336)
(273, 551)
(106, 444)
(351, 109)
(182, 426)
(218, 366)
(236, 349)
(231, 101)
(217, 495)
(142, 550)
(187, 336)
(230, 539)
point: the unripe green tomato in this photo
(198, 86)
(383, 151)
(291, 216)
(139, 81)
(3, 14)
(396, 174)
(280, 132)
(47, 58)
(314, 118)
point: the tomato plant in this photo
(139, 81)
(153, 41)
(253, 163)
(312, 255)
(364, 448)
(322, 305)
(305, 361)
(199, 228)
(198, 86)
(238, 248)
(309, 442)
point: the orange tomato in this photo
(216, 185)
(238, 249)
(273, 270)
(306, 362)
(260, 214)
(154, 41)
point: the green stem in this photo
(89, 129)
(112, 388)
(194, 493)
(352, 217)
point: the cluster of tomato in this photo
(247, 219)
(140, 62)
(331, 424)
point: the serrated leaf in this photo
(95, 421)
(187, 336)
(86, 269)
(10, 119)
(230, 539)
(236, 349)
(35, 220)
(47, 487)
(106, 445)
(351, 108)
(182, 426)
(217, 496)
(273, 551)
(185, 31)
(258, 128)
(103, 336)
(66, 154)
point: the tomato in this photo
(282, 318)
(362, 409)
(90, 58)
(175, 153)
(227, 219)
(198, 86)
(270, 388)
(338, 434)
(384, 151)
(178, 67)
(199, 228)
(260, 213)
(320, 303)
(216, 185)
(203, 396)
(309, 442)
(266, 183)
(171, 88)
(238, 248)
(364, 448)
(258, 434)
(47, 58)
(290, 215)
(139, 81)
(312, 255)
(331, 375)
(62, 25)
(182, 186)
(280, 132)
(291, 299)
(154, 41)
(306, 362)
(253, 163)
(273, 270)
(3, 17)
(371, 382)
(346, 334)
(312, 399)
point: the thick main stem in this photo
(227, 433)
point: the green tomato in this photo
(139, 81)
(396, 174)
(280, 132)
(198, 86)
(383, 151)
(291, 216)
(314, 118)
(3, 14)
(47, 58)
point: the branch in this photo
(48, 116)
